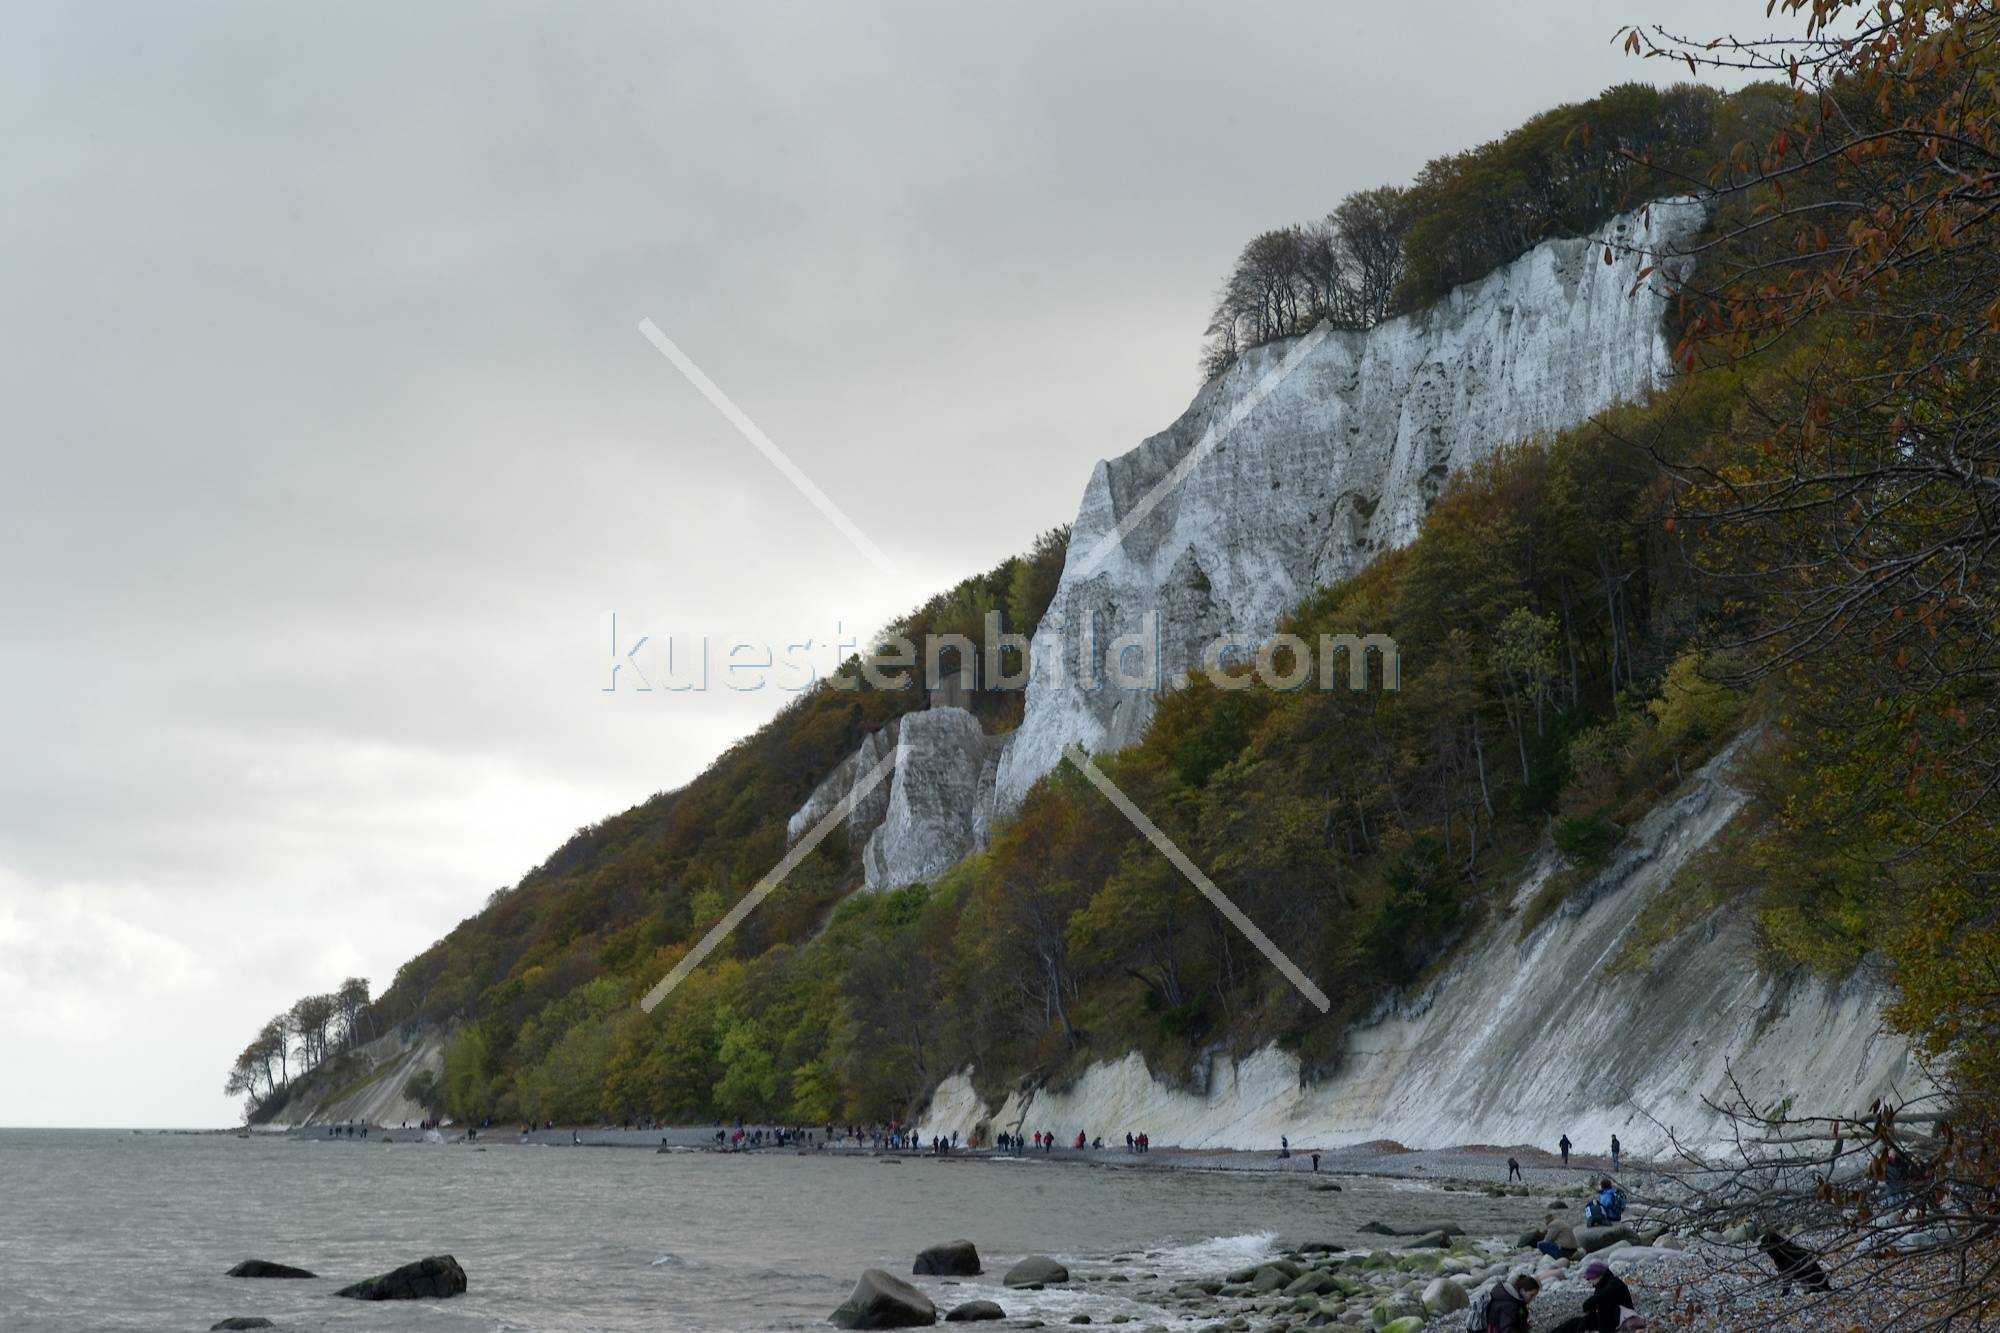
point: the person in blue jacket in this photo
(1608, 1207)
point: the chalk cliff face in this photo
(1522, 1041)
(375, 1097)
(1340, 461)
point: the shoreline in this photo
(1473, 1166)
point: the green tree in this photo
(748, 1087)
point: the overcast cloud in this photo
(330, 438)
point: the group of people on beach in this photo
(1608, 1308)
(1014, 1145)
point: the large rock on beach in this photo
(883, 1300)
(425, 1280)
(972, 1311)
(1270, 1278)
(1036, 1271)
(265, 1268)
(957, 1258)
(1592, 1239)
(1395, 1309)
(236, 1321)
(1445, 1295)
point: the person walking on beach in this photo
(1614, 1153)
(1513, 1169)
(1284, 1146)
(1606, 1308)
(1564, 1145)
(1315, 1163)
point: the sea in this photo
(125, 1230)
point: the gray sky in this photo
(330, 438)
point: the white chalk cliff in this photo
(1523, 1040)
(1340, 461)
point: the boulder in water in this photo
(974, 1310)
(883, 1300)
(241, 1321)
(958, 1258)
(265, 1268)
(1036, 1271)
(425, 1280)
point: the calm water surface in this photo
(110, 1230)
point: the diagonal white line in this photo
(765, 445)
(1211, 437)
(1075, 754)
(772, 879)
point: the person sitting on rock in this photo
(1558, 1238)
(1607, 1307)
(1507, 1307)
(1608, 1207)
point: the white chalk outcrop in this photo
(940, 797)
(1522, 1041)
(933, 809)
(1339, 462)
(866, 815)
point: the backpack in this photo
(1475, 1318)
